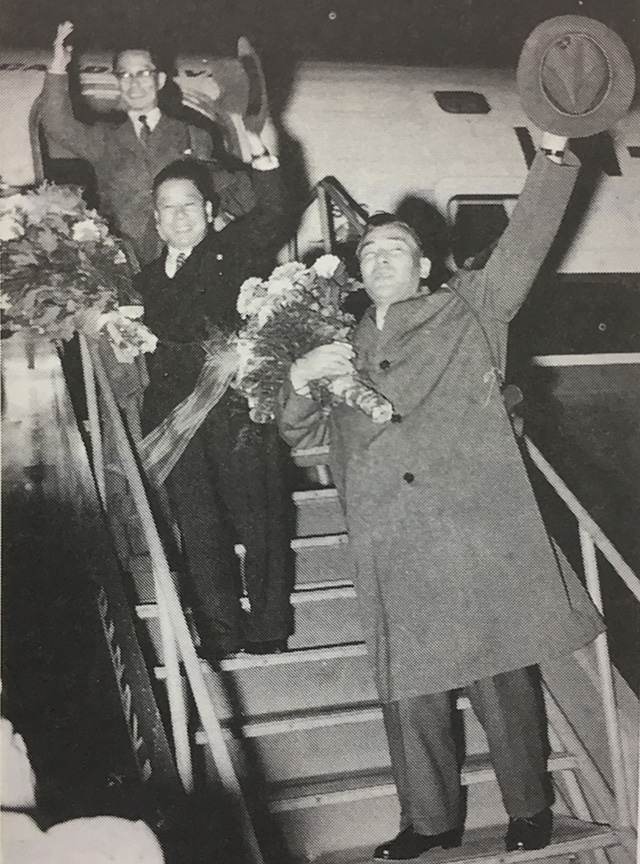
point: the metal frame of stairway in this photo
(323, 688)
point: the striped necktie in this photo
(145, 130)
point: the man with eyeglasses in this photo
(127, 156)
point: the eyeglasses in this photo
(141, 75)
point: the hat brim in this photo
(537, 105)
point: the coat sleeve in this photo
(261, 233)
(266, 224)
(61, 126)
(501, 287)
(301, 421)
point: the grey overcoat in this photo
(453, 567)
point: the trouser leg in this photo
(208, 549)
(251, 486)
(509, 708)
(424, 760)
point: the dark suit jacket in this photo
(125, 168)
(203, 293)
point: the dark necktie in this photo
(181, 257)
(145, 130)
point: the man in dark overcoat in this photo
(127, 155)
(456, 578)
(228, 487)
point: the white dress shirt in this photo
(153, 118)
(171, 261)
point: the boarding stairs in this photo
(300, 734)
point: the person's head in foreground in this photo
(183, 202)
(391, 260)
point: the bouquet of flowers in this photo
(297, 309)
(62, 272)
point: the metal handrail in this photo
(592, 537)
(585, 520)
(176, 637)
(355, 213)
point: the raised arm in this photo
(263, 230)
(60, 125)
(500, 288)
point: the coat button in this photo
(219, 256)
(384, 364)
(408, 477)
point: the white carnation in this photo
(247, 295)
(10, 228)
(264, 313)
(288, 271)
(326, 265)
(279, 288)
(86, 231)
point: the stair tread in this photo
(328, 493)
(485, 845)
(308, 592)
(314, 540)
(309, 792)
(311, 456)
(313, 718)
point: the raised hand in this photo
(553, 145)
(61, 52)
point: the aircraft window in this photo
(634, 152)
(462, 102)
(579, 313)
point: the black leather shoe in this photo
(529, 832)
(272, 646)
(408, 844)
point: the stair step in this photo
(318, 511)
(311, 592)
(315, 495)
(316, 592)
(325, 613)
(277, 724)
(315, 679)
(311, 744)
(305, 679)
(287, 658)
(357, 786)
(319, 541)
(326, 616)
(486, 846)
(311, 456)
(321, 558)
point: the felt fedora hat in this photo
(575, 76)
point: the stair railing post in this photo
(175, 692)
(172, 618)
(324, 203)
(607, 689)
(95, 432)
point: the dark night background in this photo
(459, 32)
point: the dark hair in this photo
(188, 169)
(380, 219)
(124, 49)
